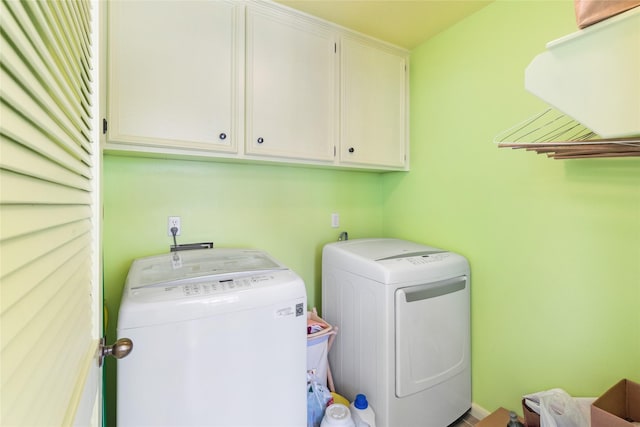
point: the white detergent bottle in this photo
(337, 415)
(362, 413)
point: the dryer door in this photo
(432, 333)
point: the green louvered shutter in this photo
(47, 210)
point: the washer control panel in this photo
(202, 287)
(208, 288)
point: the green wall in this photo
(285, 211)
(554, 245)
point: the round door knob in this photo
(260, 140)
(223, 136)
(351, 149)
(119, 349)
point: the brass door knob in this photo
(121, 348)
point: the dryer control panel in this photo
(419, 259)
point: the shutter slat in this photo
(20, 159)
(21, 219)
(85, 16)
(24, 315)
(84, 10)
(42, 63)
(48, 125)
(74, 39)
(69, 41)
(35, 101)
(47, 226)
(23, 189)
(18, 128)
(49, 22)
(21, 282)
(64, 283)
(46, 338)
(78, 83)
(80, 40)
(21, 251)
(69, 338)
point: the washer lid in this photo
(186, 265)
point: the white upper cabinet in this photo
(173, 74)
(252, 81)
(373, 104)
(291, 85)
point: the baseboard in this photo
(478, 412)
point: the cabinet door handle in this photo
(351, 149)
(260, 140)
(223, 136)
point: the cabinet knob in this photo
(260, 140)
(223, 136)
(351, 149)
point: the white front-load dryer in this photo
(403, 313)
(219, 339)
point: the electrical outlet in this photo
(174, 221)
(335, 220)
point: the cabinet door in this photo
(291, 89)
(373, 104)
(173, 73)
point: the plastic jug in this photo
(362, 413)
(337, 415)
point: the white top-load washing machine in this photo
(403, 313)
(219, 339)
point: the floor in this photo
(466, 421)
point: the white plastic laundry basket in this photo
(318, 345)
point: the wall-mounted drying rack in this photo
(560, 137)
(591, 80)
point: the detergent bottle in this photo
(513, 420)
(362, 413)
(337, 415)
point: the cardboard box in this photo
(618, 406)
(589, 12)
(531, 419)
(498, 418)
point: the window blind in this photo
(46, 212)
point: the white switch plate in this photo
(335, 220)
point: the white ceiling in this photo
(400, 22)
